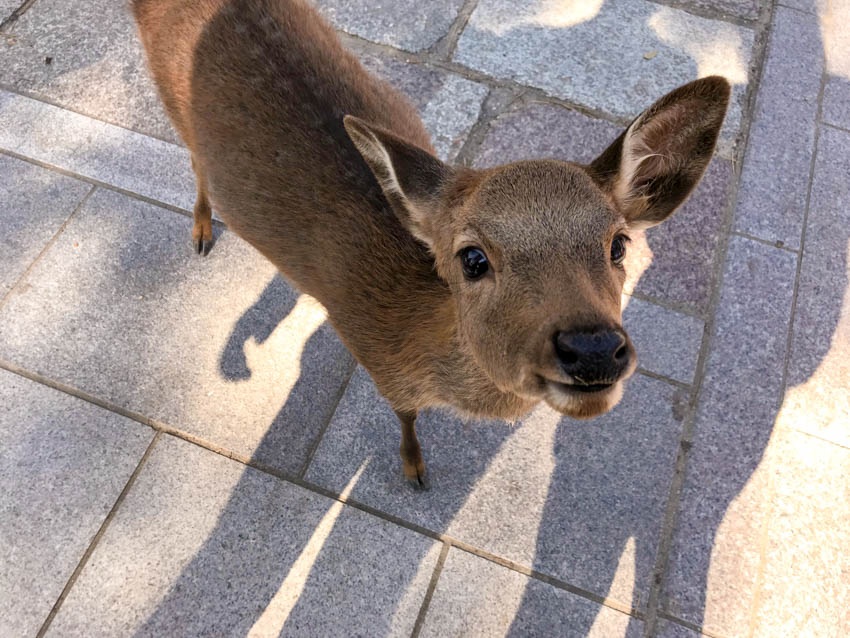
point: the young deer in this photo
(485, 291)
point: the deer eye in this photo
(618, 249)
(474, 262)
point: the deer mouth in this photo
(580, 388)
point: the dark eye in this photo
(474, 262)
(618, 249)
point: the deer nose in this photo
(593, 356)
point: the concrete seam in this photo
(47, 247)
(677, 483)
(98, 535)
(429, 593)
(17, 13)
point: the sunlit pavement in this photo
(186, 448)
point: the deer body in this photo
(330, 174)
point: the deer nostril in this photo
(621, 352)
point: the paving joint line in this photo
(445, 47)
(692, 626)
(93, 544)
(836, 127)
(16, 14)
(771, 493)
(429, 592)
(708, 13)
(44, 99)
(314, 447)
(293, 479)
(763, 30)
(819, 437)
(767, 242)
(46, 247)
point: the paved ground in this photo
(187, 450)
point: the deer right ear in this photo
(412, 179)
(654, 165)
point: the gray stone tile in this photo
(219, 347)
(97, 150)
(581, 501)
(475, 597)
(63, 465)
(544, 131)
(449, 104)
(34, 202)
(836, 102)
(672, 262)
(205, 546)
(667, 342)
(406, 24)
(714, 555)
(745, 9)
(816, 399)
(812, 6)
(100, 72)
(669, 629)
(805, 583)
(774, 181)
(568, 53)
(7, 7)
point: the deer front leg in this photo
(411, 454)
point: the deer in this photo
(481, 291)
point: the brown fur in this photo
(357, 211)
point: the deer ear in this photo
(412, 179)
(652, 167)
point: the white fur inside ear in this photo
(373, 150)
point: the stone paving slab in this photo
(219, 347)
(448, 104)
(7, 7)
(805, 590)
(714, 557)
(205, 546)
(669, 629)
(410, 25)
(568, 52)
(475, 597)
(744, 9)
(673, 262)
(96, 150)
(63, 464)
(579, 500)
(836, 102)
(782, 133)
(817, 398)
(97, 71)
(34, 203)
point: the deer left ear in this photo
(654, 165)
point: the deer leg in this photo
(202, 237)
(411, 454)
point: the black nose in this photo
(598, 356)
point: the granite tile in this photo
(667, 342)
(744, 9)
(34, 202)
(63, 465)
(449, 104)
(97, 150)
(7, 7)
(775, 176)
(806, 581)
(567, 52)
(836, 102)
(672, 262)
(205, 546)
(475, 597)
(816, 399)
(579, 500)
(219, 347)
(669, 629)
(715, 550)
(405, 24)
(100, 72)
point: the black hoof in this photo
(202, 247)
(420, 483)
